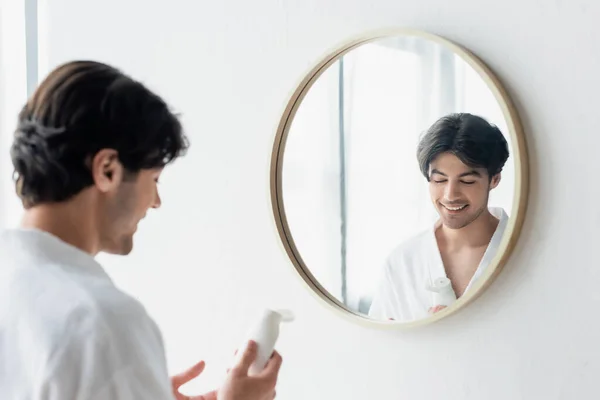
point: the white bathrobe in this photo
(402, 291)
(66, 331)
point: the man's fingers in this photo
(273, 366)
(247, 357)
(207, 396)
(185, 377)
(435, 309)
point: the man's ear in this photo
(495, 180)
(107, 170)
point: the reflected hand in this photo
(436, 309)
(181, 379)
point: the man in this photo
(462, 157)
(88, 151)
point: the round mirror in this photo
(398, 178)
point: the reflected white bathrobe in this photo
(66, 331)
(402, 291)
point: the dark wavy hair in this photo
(81, 108)
(472, 139)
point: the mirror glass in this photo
(397, 178)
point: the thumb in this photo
(248, 356)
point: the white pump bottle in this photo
(265, 333)
(443, 294)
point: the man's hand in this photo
(179, 380)
(240, 386)
(435, 309)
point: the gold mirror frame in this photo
(520, 196)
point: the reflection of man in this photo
(461, 156)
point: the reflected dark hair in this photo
(81, 108)
(472, 139)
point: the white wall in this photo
(229, 66)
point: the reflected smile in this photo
(455, 208)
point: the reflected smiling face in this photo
(459, 193)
